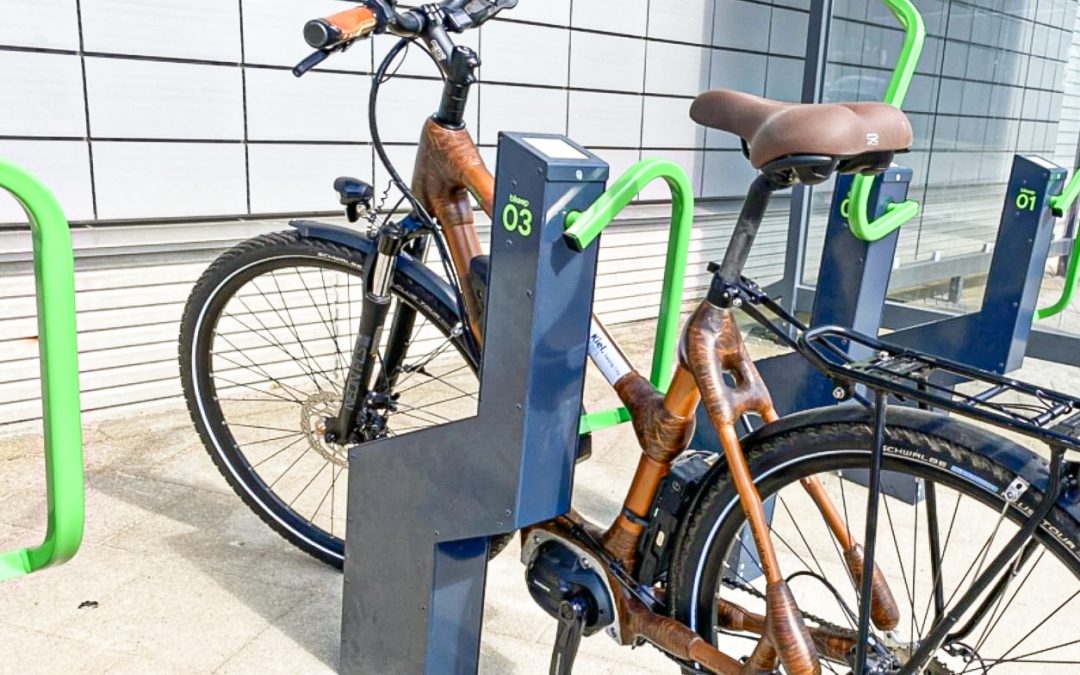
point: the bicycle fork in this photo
(378, 277)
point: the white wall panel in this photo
(42, 95)
(679, 70)
(297, 178)
(682, 20)
(156, 100)
(525, 54)
(64, 166)
(169, 180)
(605, 119)
(507, 108)
(667, 124)
(607, 62)
(317, 107)
(45, 24)
(627, 17)
(733, 17)
(194, 29)
(552, 12)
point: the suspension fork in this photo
(378, 276)
(401, 330)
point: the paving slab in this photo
(186, 579)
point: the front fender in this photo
(359, 241)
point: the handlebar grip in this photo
(340, 28)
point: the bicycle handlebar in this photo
(338, 32)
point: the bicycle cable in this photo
(381, 77)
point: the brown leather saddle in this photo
(862, 136)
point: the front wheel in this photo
(945, 520)
(266, 342)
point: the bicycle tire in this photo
(949, 453)
(209, 297)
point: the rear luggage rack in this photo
(1037, 412)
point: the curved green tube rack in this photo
(584, 227)
(1059, 206)
(897, 214)
(54, 267)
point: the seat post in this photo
(746, 229)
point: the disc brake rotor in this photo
(313, 415)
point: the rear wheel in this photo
(266, 341)
(959, 497)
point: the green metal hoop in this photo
(584, 227)
(54, 267)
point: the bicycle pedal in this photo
(573, 614)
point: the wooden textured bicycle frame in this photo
(448, 171)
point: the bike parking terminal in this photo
(510, 466)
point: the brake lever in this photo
(310, 62)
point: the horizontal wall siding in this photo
(130, 299)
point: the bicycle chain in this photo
(935, 667)
(828, 625)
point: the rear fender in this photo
(1015, 458)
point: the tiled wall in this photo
(191, 111)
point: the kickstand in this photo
(572, 616)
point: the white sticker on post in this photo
(606, 355)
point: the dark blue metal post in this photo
(422, 506)
(995, 338)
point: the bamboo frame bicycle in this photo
(671, 570)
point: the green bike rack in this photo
(584, 227)
(54, 268)
(1059, 206)
(897, 214)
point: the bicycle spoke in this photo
(260, 371)
(1042, 623)
(304, 489)
(267, 459)
(939, 581)
(291, 327)
(268, 341)
(899, 557)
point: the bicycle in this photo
(694, 564)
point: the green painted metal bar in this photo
(54, 267)
(1059, 206)
(897, 214)
(584, 228)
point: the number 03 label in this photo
(517, 216)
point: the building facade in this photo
(171, 130)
